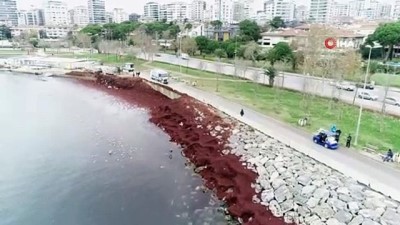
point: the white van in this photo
(159, 75)
(129, 68)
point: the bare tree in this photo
(189, 46)
(251, 51)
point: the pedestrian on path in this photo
(389, 156)
(241, 112)
(348, 141)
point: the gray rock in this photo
(333, 221)
(282, 194)
(378, 213)
(303, 211)
(357, 220)
(275, 208)
(369, 214)
(277, 183)
(343, 216)
(343, 190)
(373, 203)
(274, 175)
(265, 184)
(321, 193)
(317, 222)
(336, 204)
(290, 217)
(300, 200)
(310, 219)
(304, 180)
(391, 204)
(312, 202)
(267, 195)
(353, 207)
(324, 211)
(373, 194)
(318, 183)
(308, 191)
(391, 217)
(345, 198)
(287, 206)
(369, 222)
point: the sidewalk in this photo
(379, 176)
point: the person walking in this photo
(348, 141)
(241, 112)
(389, 156)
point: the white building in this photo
(385, 11)
(356, 8)
(32, 17)
(223, 11)
(119, 15)
(301, 13)
(284, 9)
(339, 10)
(238, 11)
(97, 11)
(55, 13)
(396, 10)
(269, 9)
(55, 32)
(197, 10)
(320, 11)
(80, 16)
(8, 13)
(151, 11)
(261, 18)
(174, 12)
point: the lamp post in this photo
(180, 54)
(365, 84)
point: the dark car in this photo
(326, 139)
(367, 86)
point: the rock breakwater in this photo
(301, 190)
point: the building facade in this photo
(223, 11)
(8, 12)
(301, 13)
(269, 9)
(97, 11)
(119, 15)
(80, 16)
(320, 11)
(55, 13)
(396, 10)
(151, 11)
(175, 12)
(284, 9)
(238, 11)
(32, 17)
(133, 17)
(197, 10)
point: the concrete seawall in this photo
(170, 93)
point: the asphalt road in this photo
(291, 81)
(379, 176)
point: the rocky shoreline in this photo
(261, 180)
(301, 190)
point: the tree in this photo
(280, 52)
(220, 53)
(5, 32)
(249, 30)
(271, 73)
(188, 26)
(217, 24)
(202, 43)
(34, 42)
(83, 40)
(387, 35)
(277, 22)
(189, 46)
(251, 51)
(212, 46)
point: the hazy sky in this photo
(136, 5)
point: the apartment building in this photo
(198, 10)
(119, 15)
(55, 13)
(223, 11)
(320, 11)
(174, 12)
(8, 12)
(32, 17)
(79, 16)
(151, 11)
(97, 11)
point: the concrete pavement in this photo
(379, 176)
(293, 81)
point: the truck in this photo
(159, 75)
(129, 68)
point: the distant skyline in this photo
(136, 6)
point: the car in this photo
(392, 101)
(367, 86)
(159, 75)
(158, 55)
(367, 96)
(326, 139)
(345, 86)
(184, 56)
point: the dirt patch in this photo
(203, 135)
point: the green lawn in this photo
(383, 79)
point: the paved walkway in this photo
(379, 176)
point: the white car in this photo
(392, 101)
(367, 96)
(345, 86)
(184, 56)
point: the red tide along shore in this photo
(203, 135)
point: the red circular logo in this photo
(330, 43)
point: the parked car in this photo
(159, 75)
(326, 139)
(345, 86)
(392, 101)
(158, 55)
(369, 86)
(367, 96)
(128, 68)
(184, 56)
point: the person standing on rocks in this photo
(348, 141)
(241, 112)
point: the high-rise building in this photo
(97, 11)
(339, 10)
(396, 10)
(108, 17)
(134, 17)
(119, 15)
(32, 17)
(8, 12)
(269, 9)
(223, 11)
(197, 10)
(80, 16)
(301, 13)
(384, 11)
(284, 9)
(356, 8)
(152, 11)
(55, 13)
(320, 11)
(238, 11)
(177, 12)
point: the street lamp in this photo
(365, 84)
